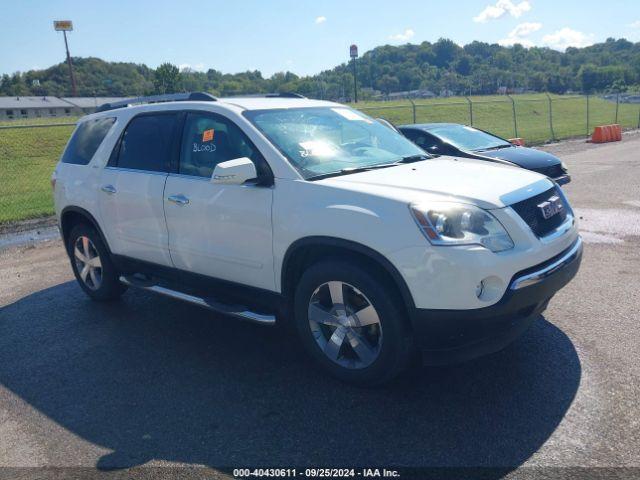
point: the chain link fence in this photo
(29, 151)
(536, 118)
(28, 155)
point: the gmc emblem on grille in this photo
(551, 207)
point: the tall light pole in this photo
(353, 53)
(65, 26)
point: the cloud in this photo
(635, 24)
(404, 36)
(320, 19)
(567, 37)
(525, 29)
(519, 34)
(501, 8)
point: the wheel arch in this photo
(308, 250)
(71, 216)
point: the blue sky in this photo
(301, 36)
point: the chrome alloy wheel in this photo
(345, 325)
(88, 262)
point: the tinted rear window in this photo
(86, 140)
(147, 143)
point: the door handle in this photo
(178, 199)
(110, 189)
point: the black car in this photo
(464, 141)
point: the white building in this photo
(85, 105)
(12, 108)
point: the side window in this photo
(86, 140)
(209, 139)
(147, 143)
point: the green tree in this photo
(445, 51)
(388, 83)
(167, 79)
(463, 65)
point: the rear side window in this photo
(86, 140)
(147, 143)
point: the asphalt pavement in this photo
(151, 382)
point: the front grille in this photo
(530, 212)
(554, 171)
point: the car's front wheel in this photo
(351, 322)
(92, 265)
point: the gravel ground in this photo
(151, 382)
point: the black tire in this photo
(109, 286)
(395, 345)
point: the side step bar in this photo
(238, 311)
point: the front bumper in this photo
(452, 336)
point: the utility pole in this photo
(65, 26)
(353, 53)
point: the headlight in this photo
(564, 167)
(446, 223)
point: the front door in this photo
(222, 231)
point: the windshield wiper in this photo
(349, 170)
(346, 171)
(497, 147)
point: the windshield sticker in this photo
(351, 115)
(204, 147)
(207, 135)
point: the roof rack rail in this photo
(270, 95)
(284, 95)
(170, 97)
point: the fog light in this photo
(489, 289)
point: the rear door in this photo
(222, 231)
(132, 187)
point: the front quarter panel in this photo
(304, 209)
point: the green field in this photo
(28, 155)
(27, 158)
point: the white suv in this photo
(315, 214)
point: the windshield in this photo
(325, 140)
(468, 138)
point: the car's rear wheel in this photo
(92, 265)
(351, 322)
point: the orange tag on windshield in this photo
(207, 135)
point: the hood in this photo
(484, 184)
(523, 156)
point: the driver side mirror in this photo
(234, 172)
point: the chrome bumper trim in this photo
(542, 274)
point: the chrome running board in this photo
(238, 311)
